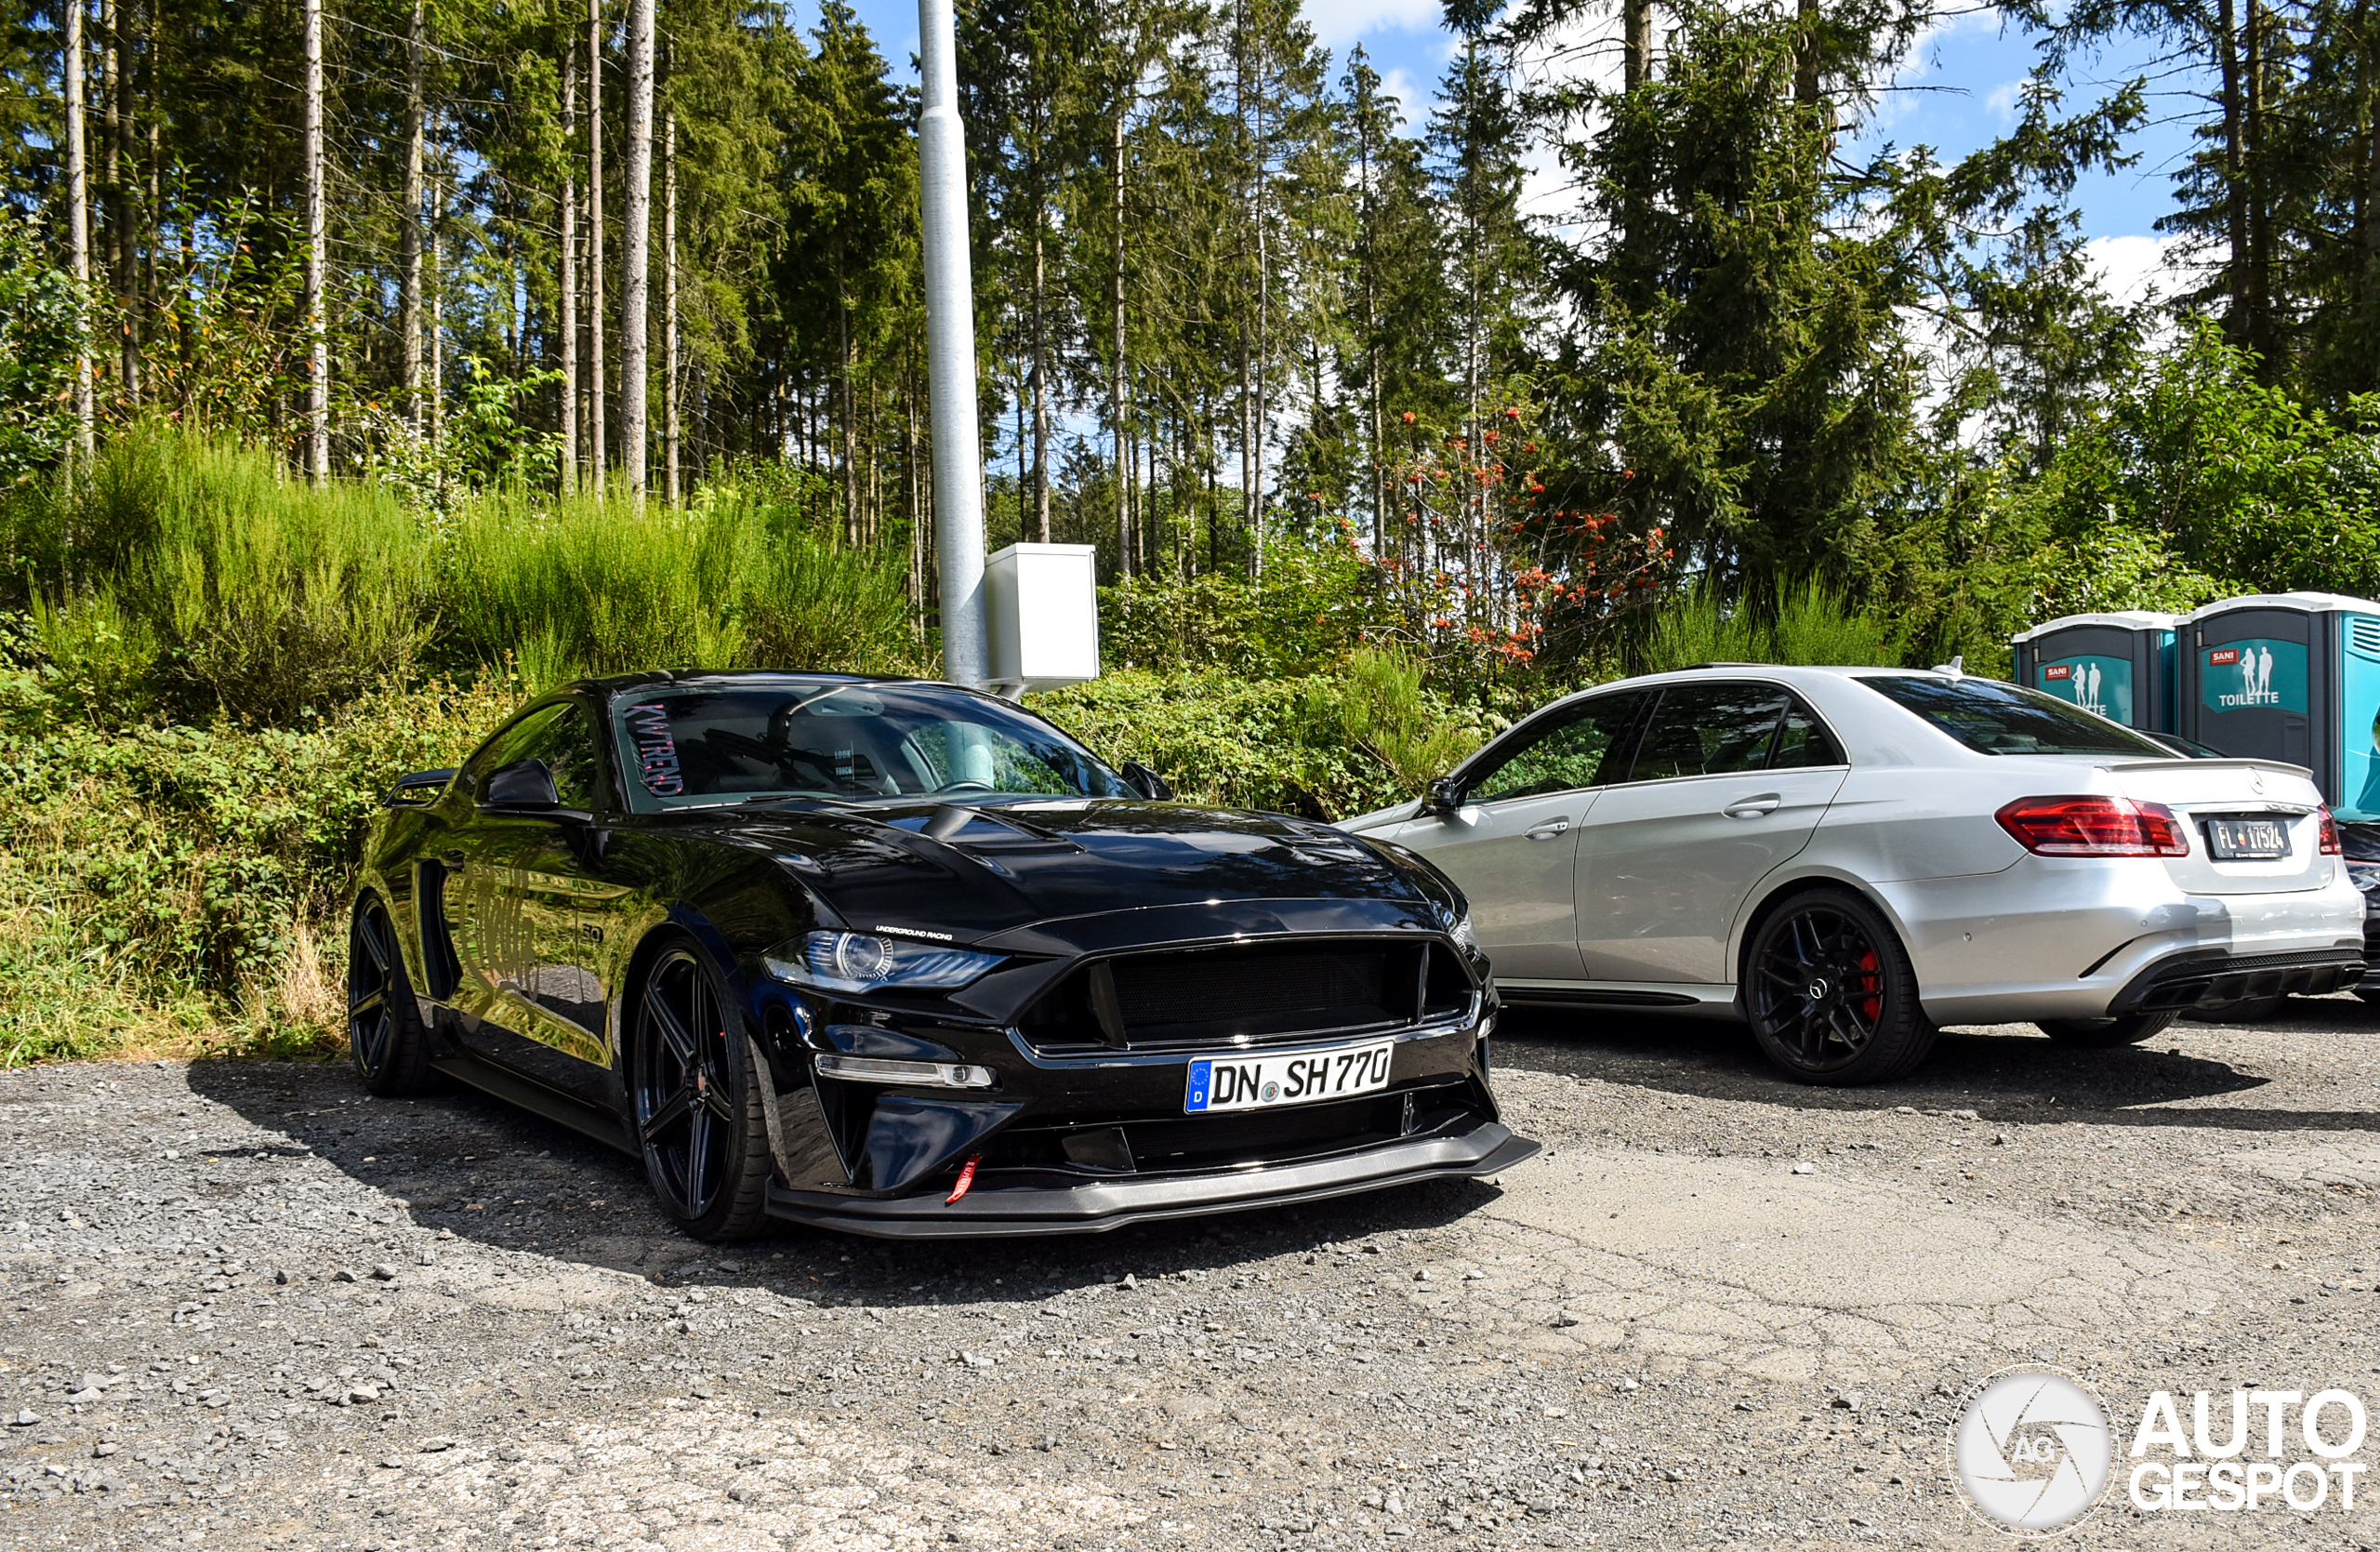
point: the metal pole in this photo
(950, 351)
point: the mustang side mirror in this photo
(1147, 783)
(417, 788)
(525, 786)
(1441, 796)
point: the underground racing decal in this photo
(656, 750)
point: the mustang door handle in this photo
(1549, 829)
(1753, 808)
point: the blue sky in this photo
(1955, 93)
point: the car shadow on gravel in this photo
(2008, 1072)
(503, 1180)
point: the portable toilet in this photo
(2292, 676)
(2120, 666)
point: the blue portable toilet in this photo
(2120, 666)
(2292, 676)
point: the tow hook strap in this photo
(966, 1179)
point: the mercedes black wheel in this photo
(697, 1101)
(1831, 995)
(385, 1032)
(2130, 1030)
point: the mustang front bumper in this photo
(1029, 1206)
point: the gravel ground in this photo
(247, 1307)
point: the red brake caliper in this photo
(1871, 985)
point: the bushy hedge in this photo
(188, 880)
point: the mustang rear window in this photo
(1993, 718)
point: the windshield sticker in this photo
(656, 750)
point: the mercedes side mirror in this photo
(1147, 783)
(1441, 796)
(524, 786)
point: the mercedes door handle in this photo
(1753, 808)
(1549, 829)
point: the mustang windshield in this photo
(1993, 718)
(718, 743)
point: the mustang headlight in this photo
(863, 961)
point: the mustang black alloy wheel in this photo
(384, 1028)
(697, 1097)
(1831, 994)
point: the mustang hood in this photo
(988, 869)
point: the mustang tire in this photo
(1831, 995)
(696, 1095)
(385, 1033)
(2103, 1032)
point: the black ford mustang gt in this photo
(899, 957)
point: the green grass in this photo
(187, 576)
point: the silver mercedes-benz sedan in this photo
(1846, 858)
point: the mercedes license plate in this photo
(1265, 1082)
(2247, 840)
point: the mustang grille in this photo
(1244, 995)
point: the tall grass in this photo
(607, 587)
(191, 574)
(197, 567)
(1813, 626)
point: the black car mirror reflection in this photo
(1441, 796)
(1146, 782)
(525, 786)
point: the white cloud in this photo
(2130, 268)
(2002, 99)
(1337, 24)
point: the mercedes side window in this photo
(1709, 730)
(1583, 749)
(1803, 742)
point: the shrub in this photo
(1278, 745)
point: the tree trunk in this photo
(2257, 326)
(670, 305)
(1115, 375)
(849, 415)
(1263, 336)
(598, 461)
(318, 340)
(437, 289)
(2235, 180)
(116, 89)
(78, 222)
(1041, 381)
(409, 223)
(569, 329)
(637, 262)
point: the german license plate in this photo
(2247, 840)
(1268, 1082)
